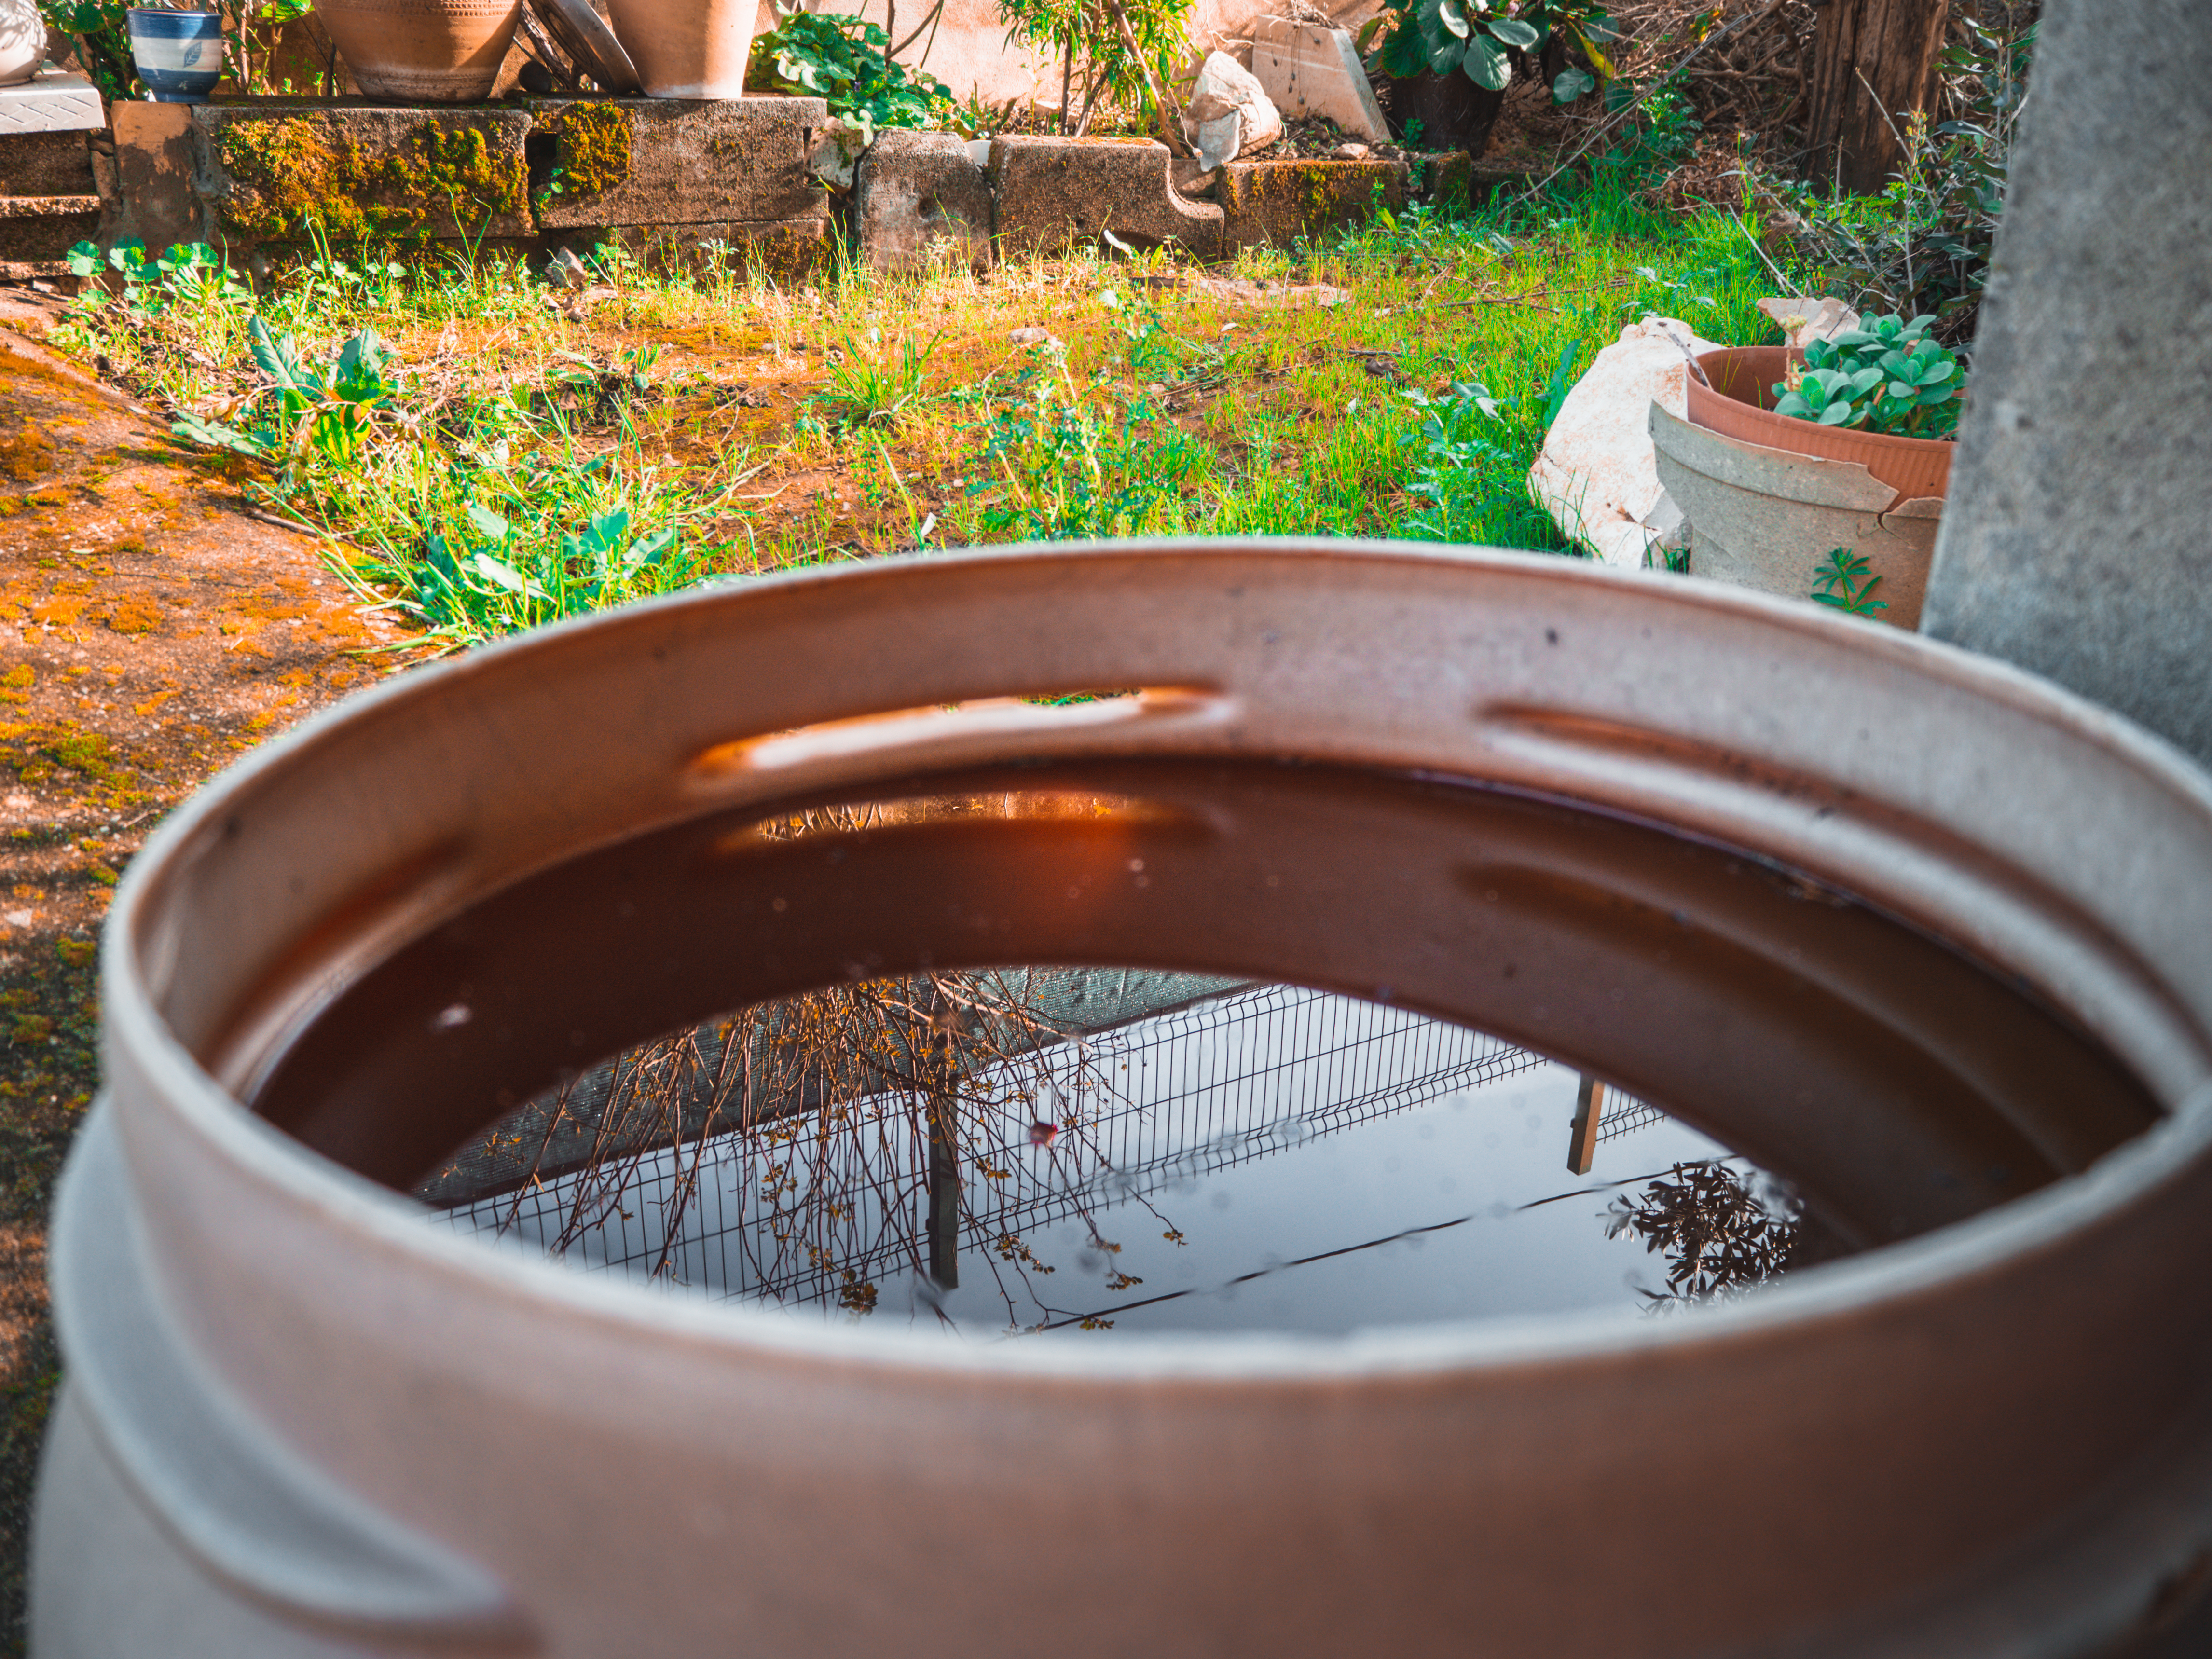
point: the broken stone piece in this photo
(1312, 69)
(1804, 319)
(1597, 474)
(1228, 113)
(1349, 153)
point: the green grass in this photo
(531, 463)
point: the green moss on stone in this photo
(594, 153)
(297, 175)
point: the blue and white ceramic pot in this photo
(179, 53)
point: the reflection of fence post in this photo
(940, 1083)
(1581, 1140)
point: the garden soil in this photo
(152, 625)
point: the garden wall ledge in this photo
(690, 182)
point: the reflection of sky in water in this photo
(1481, 1152)
(1265, 1127)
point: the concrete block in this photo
(272, 170)
(1276, 203)
(52, 100)
(46, 164)
(2073, 541)
(1053, 194)
(661, 162)
(152, 197)
(1309, 70)
(37, 232)
(919, 192)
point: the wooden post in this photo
(1581, 1140)
(1874, 66)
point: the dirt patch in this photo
(154, 628)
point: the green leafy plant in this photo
(1473, 36)
(306, 411)
(1439, 36)
(189, 273)
(1845, 581)
(845, 62)
(1121, 51)
(101, 31)
(1887, 376)
(870, 386)
(1069, 462)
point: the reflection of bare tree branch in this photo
(852, 1112)
(1719, 1233)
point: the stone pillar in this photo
(2077, 540)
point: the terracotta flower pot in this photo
(1740, 404)
(687, 48)
(422, 52)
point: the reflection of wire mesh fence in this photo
(815, 1208)
(1624, 1114)
(645, 1099)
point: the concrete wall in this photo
(969, 51)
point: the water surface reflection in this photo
(1119, 1150)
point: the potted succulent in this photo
(1885, 393)
(1794, 467)
(177, 52)
(1446, 64)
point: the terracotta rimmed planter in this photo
(299, 1420)
(1740, 404)
(687, 48)
(425, 51)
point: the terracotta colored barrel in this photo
(300, 1421)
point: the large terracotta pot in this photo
(687, 48)
(422, 52)
(1740, 404)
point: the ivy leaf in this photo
(1515, 32)
(488, 521)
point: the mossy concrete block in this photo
(1053, 194)
(272, 172)
(919, 193)
(649, 162)
(1276, 203)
